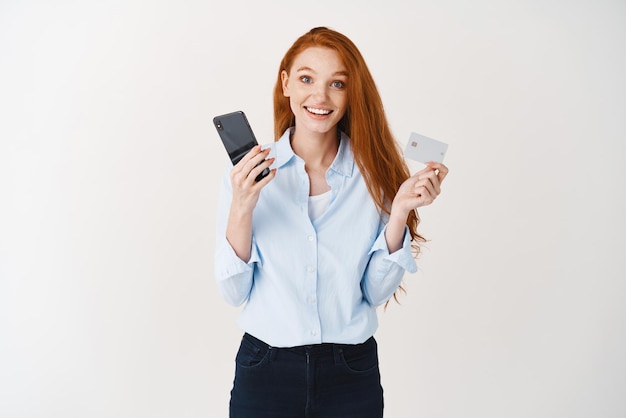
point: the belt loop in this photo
(337, 353)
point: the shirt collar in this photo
(343, 163)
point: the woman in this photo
(313, 248)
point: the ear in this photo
(284, 78)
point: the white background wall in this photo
(109, 169)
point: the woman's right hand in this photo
(246, 192)
(243, 176)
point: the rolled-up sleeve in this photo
(234, 276)
(385, 271)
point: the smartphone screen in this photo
(237, 136)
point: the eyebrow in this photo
(344, 73)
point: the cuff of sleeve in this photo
(229, 264)
(403, 257)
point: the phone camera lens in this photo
(218, 124)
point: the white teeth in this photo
(318, 111)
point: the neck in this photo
(316, 149)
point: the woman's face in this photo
(316, 87)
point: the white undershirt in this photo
(318, 205)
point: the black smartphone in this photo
(237, 136)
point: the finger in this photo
(427, 195)
(422, 172)
(261, 183)
(259, 168)
(254, 161)
(442, 170)
(426, 188)
(254, 151)
(433, 167)
(240, 173)
(432, 179)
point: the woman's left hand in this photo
(418, 190)
(421, 189)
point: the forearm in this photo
(394, 233)
(239, 232)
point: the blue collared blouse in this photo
(309, 282)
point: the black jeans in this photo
(321, 381)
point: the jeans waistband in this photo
(323, 348)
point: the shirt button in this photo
(314, 333)
(310, 269)
(311, 299)
(310, 237)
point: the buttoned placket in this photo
(310, 260)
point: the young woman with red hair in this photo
(313, 248)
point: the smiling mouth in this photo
(319, 112)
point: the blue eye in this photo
(305, 79)
(338, 84)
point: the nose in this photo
(320, 90)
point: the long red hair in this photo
(375, 149)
